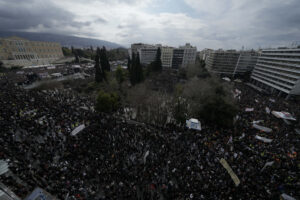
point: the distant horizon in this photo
(129, 45)
(227, 24)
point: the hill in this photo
(64, 40)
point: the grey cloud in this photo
(100, 20)
(28, 14)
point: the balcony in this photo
(279, 68)
(272, 80)
(282, 54)
(277, 72)
(282, 63)
(276, 77)
(276, 58)
(270, 84)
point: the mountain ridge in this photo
(64, 40)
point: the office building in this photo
(231, 62)
(167, 56)
(22, 52)
(189, 55)
(278, 70)
(204, 54)
(171, 57)
(147, 54)
(177, 58)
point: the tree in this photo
(107, 102)
(98, 70)
(104, 60)
(139, 70)
(157, 64)
(210, 100)
(179, 106)
(128, 63)
(66, 51)
(120, 75)
(132, 76)
(217, 111)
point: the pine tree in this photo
(104, 60)
(156, 65)
(139, 70)
(132, 70)
(98, 71)
(128, 63)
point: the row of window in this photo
(272, 81)
(282, 66)
(283, 76)
(22, 57)
(20, 43)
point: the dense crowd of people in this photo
(112, 159)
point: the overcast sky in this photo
(204, 23)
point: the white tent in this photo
(3, 167)
(193, 124)
(266, 140)
(226, 79)
(283, 115)
(78, 129)
(262, 128)
(249, 109)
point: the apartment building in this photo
(222, 62)
(147, 54)
(278, 70)
(204, 54)
(167, 56)
(231, 62)
(171, 57)
(19, 51)
(177, 58)
(189, 55)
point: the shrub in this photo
(107, 102)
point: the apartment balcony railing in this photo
(279, 68)
(270, 84)
(272, 80)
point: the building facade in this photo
(171, 57)
(204, 54)
(231, 62)
(189, 55)
(23, 52)
(177, 58)
(167, 56)
(278, 70)
(147, 54)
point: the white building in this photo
(170, 57)
(147, 54)
(278, 70)
(231, 62)
(189, 55)
(167, 56)
(203, 55)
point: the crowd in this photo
(112, 159)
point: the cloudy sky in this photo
(205, 23)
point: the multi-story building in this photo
(177, 58)
(222, 62)
(246, 62)
(278, 70)
(170, 57)
(189, 55)
(231, 62)
(167, 56)
(147, 54)
(18, 51)
(203, 55)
